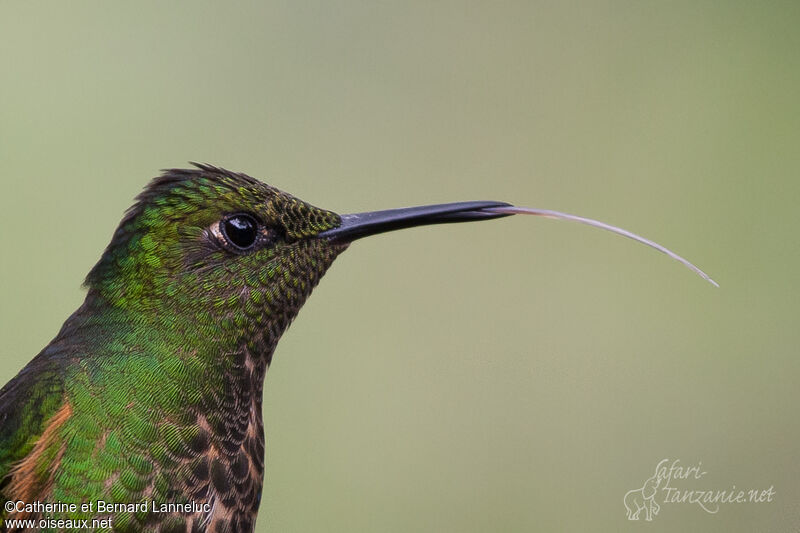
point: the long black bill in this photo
(359, 225)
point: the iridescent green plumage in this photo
(162, 367)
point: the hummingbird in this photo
(144, 413)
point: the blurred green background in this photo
(517, 375)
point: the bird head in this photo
(218, 247)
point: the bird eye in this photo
(241, 231)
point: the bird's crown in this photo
(203, 232)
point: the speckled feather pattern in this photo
(161, 369)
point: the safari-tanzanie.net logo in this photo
(674, 483)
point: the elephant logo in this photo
(643, 499)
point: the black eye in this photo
(240, 230)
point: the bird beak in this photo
(358, 225)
